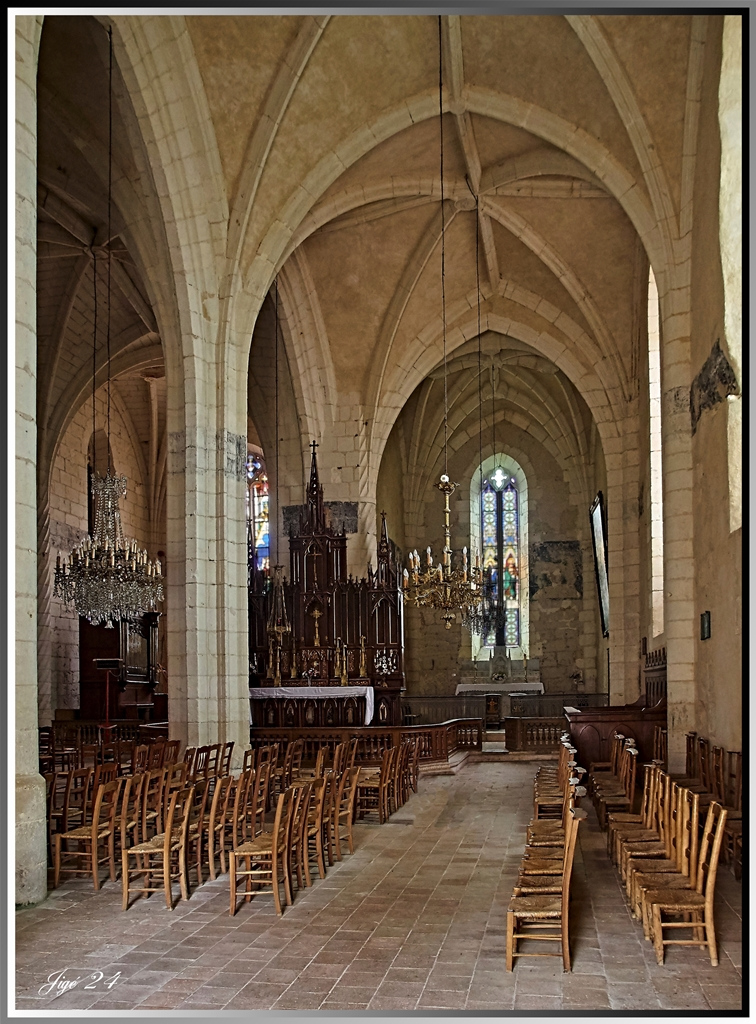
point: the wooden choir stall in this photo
(326, 649)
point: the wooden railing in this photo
(552, 705)
(437, 742)
(534, 735)
(433, 710)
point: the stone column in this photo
(31, 839)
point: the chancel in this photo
(408, 350)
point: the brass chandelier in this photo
(105, 577)
(444, 587)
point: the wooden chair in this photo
(157, 754)
(549, 832)
(659, 841)
(264, 859)
(611, 796)
(214, 755)
(658, 871)
(344, 815)
(190, 755)
(372, 787)
(544, 917)
(316, 772)
(201, 764)
(415, 763)
(282, 773)
(162, 858)
(696, 907)
(224, 764)
(89, 838)
(625, 823)
(175, 777)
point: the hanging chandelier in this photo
(106, 578)
(444, 587)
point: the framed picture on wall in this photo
(598, 533)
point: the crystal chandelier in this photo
(444, 587)
(106, 578)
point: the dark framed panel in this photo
(600, 557)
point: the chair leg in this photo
(95, 868)
(276, 894)
(566, 944)
(167, 880)
(232, 882)
(510, 939)
(710, 936)
(56, 874)
(125, 879)
(657, 933)
(111, 856)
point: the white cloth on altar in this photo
(499, 687)
(303, 692)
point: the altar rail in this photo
(437, 742)
(534, 735)
(552, 705)
(432, 710)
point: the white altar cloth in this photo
(303, 692)
(500, 687)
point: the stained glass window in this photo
(500, 522)
(258, 514)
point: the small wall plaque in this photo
(705, 625)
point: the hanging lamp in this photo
(448, 589)
(106, 578)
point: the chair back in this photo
(339, 752)
(102, 773)
(201, 763)
(152, 801)
(76, 796)
(250, 759)
(175, 777)
(157, 754)
(224, 766)
(178, 816)
(650, 786)
(686, 839)
(220, 800)
(734, 780)
(296, 759)
(349, 792)
(140, 759)
(704, 764)
(213, 760)
(299, 815)
(172, 749)
(105, 807)
(257, 802)
(190, 755)
(351, 753)
(577, 814)
(282, 822)
(131, 809)
(708, 851)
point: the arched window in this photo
(498, 494)
(655, 448)
(258, 513)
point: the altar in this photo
(299, 707)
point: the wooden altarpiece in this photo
(344, 631)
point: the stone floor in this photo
(414, 920)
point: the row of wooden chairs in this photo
(539, 907)
(667, 863)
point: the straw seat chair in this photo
(544, 917)
(215, 820)
(344, 815)
(696, 906)
(683, 864)
(316, 841)
(263, 861)
(161, 859)
(529, 884)
(89, 838)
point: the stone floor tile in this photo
(723, 997)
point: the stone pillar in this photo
(31, 827)
(677, 477)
